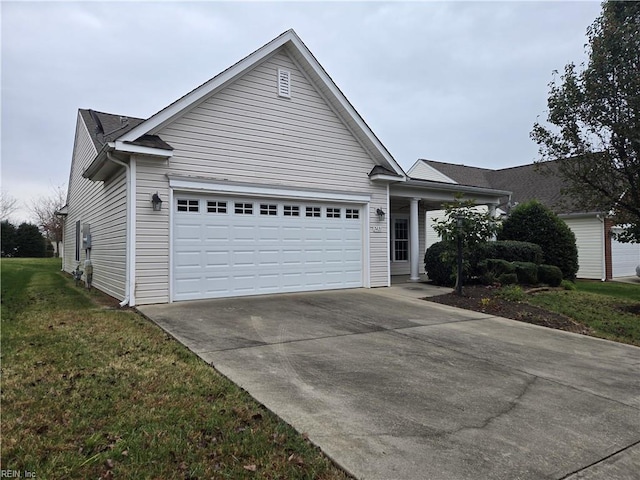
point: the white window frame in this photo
(393, 238)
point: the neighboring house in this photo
(269, 179)
(599, 256)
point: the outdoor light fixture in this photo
(156, 201)
(380, 214)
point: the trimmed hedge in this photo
(550, 274)
(511, 251)
(439, 272)
(508, 279)
(527, 272)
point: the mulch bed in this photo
(481, 298)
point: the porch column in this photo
(492, 212)
(414, 241)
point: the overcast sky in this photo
(459, 82)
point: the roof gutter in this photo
(130, 277)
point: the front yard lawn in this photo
(93, 391)
(607, 310)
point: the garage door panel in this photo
(240, 254)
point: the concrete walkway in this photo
(393, 387)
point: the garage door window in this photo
(333, 212)
(313, 211)
(352, 213)
(268, 209)
(291, 211)
(188, 205)
(244, 208)
(217, 207)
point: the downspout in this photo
(603, 265)
(130, 278)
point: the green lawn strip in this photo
(606, 315)
(89, 392)
(628, 291)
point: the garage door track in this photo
(399, 388)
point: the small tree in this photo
(45, 208)
(462, 217)
(535, 223)
(30, 242)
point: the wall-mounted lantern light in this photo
(156, 201)
(380, 214)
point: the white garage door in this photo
(225, 247)
(625, 257)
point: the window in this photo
(78, 240)
(268, 209)
(216, 207)
(188, 205)
(333, 212)
(244, 208)
(284, 83)
(400, 240)
(352, 213)
(313, 211)
(291, 211)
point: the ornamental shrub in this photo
(511, 251)
(508, 278)
(550, 274)
(527, 272)
(491, 268)
(439, 270)
(535, 223)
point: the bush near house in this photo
(438, 270)
(510, 250)
(527, 272)
(550, 275)
(535, 223)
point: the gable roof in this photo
(107, 127)
(308, 64)
(526, 182)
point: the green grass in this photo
(611, 309)
(96, 392)
(627, 291)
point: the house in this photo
(264, 179)
(599, 255)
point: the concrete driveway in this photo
(397, 388)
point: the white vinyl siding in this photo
(152, 239)
(246, 133)
(426, 172)
(103, 206)
(590, 242)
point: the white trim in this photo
(388, 238)
(120, 146)
(171, 233)
(366, 246)
(132, 237)
(254, 190)
(386, 178)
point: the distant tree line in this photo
(25, 240)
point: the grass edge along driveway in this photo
(91, 391)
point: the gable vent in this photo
(284, 83)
